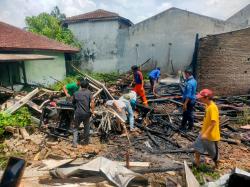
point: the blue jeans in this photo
(130, 114)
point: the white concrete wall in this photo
(242, 17)
(100, 38)
(174, 26)
(39, 71)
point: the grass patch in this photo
(205, 171)
(244, 116)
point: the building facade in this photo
(113, 43)
(28, 58)
(242, 17)
(101, 35)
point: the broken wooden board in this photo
(95, 81)
(24, 134)
(245, 127)
(21, 102)
(10, 102)
(51, 164)
(6, 90)
(10, 129)
(190, 178)
(34, 106)
(98, 92)
(135, 164)
(104, 87)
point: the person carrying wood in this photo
(139, 84)
(83, 102)
(124, 110)
(71, 88)
(131, 97)
(208, 139)
(189, 100)
(154, 76)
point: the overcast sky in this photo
(15, 11)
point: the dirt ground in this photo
(40, 147)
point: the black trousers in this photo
(152, 83)
(188, 116)
(84, 118)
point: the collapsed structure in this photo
(159, 145)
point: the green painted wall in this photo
(39, 71)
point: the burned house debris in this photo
(157, 146)
(151, 148)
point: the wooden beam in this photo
(34, 106)
(190, 178)
(24, 134)
(99, 83)
(21, 102)
(94, 81)
(98, 92)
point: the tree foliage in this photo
(57, 14)
(50, 25)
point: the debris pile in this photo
(158, 139)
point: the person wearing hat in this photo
(139, 84)
(154, 76)
(189, 99)
(208, 139)
(130, 101)
(124, 110)
(131, 96)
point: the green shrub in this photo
(59, 85)
(19, 119)
(108, 78)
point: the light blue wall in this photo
(39, 71)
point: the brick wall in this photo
(224, 63)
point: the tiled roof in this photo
(16, 39)
(96, 15)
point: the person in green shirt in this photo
(71, 88)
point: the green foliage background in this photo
(50, 25)
(107, 78)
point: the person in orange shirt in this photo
(208, 139)
(139, 84)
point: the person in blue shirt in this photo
(189, 98)
(154, 76)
